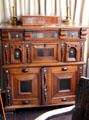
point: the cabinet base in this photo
(13, 107)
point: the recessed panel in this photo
(44, 35)
(16, 36)
(17, 54)
(72, 34)
(64, 84)
(45, 52)
(72, 53)
(25, 86)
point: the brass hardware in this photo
(68, 12)
(13, 20)
(17, 36)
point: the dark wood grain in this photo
(39, 56)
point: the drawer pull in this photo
(25, 70)
(64, 69)
(63, 99)
(25, 102)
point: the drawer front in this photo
(32, 102)
(16, 35)
(70, 34)
(63, 100)
(12, 36)
(24, 70)
(45, 35)
(64, 69)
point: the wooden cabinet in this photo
(42, 65)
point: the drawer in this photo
(70, 34)
(64, 69)
(24, 70)
(63, 100)
(51, 34)
(15, 35)
(26, 102)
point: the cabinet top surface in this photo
(40, 27)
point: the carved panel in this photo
(72, 51)
(26, 87)
(17, 53)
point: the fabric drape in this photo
(79, 9)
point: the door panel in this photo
(63, 83)
(45, 53)
(17, 53)
(26, 87)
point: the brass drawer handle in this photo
(25, 70)
(64, 69)
(64, 99)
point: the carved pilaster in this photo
(8, 88)
(6, 47)
(27, 53)
(45, 86)
(62, 51)
(81, 51)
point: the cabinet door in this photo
(73, 51)
(63, 84)
(17, 53)
(25, 86)
(45, 53)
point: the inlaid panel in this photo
(25, 86)
(64, 84)
(45, 53)
(45, 35)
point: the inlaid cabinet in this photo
(42, 65)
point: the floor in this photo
(32, 113)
